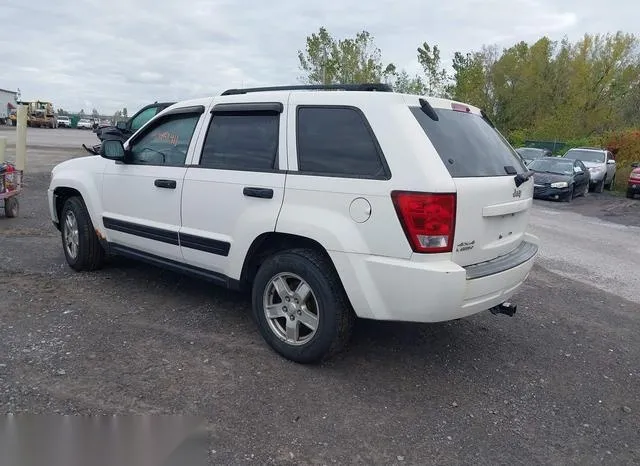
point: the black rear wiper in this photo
(521, 178)
(428, 109)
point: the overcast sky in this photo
(116, 53)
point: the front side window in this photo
(242, 141)
(167, 143)
(144, 116)
(337, 141)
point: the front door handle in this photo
(262, 193)
(168, 184)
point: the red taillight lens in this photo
(428, 219)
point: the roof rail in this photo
(367, 87)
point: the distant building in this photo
(8, 102)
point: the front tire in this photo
(569, 197)
(81, 246)
(599, 186)
(612, 183)
(11, 207)
(300, 306)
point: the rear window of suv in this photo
(468, 145)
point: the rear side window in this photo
(337, 141)
(241, 142)
(468, 145)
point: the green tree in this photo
(326, 60)
(435, 75)
(409, 85)
(124, 112)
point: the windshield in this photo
(529, 153)
(468, 145)
(560, 167)
(585, 155)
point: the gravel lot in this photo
(559, 383)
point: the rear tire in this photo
(332, 317)
(630, 194)
(11, 207)
(81, 246)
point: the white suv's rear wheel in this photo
(300, 307)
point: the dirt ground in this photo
(558, 383)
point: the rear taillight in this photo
(428, 219)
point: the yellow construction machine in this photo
(40, 114)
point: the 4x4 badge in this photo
(517, 193)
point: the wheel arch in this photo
(64, 191)
(270, 243)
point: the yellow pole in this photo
(21, 137)
(3, 147)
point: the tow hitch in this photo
(504, 308)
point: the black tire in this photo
(90, 254)
(569, 197)
(600, 186)
(11, 207)
(612, 183)
(335, 316)
(630, 194)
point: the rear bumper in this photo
(383, 288)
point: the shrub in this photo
(625, 145)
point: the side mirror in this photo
(112, 149)
(121, 125)
(611, 161)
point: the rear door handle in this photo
(262, 193)
(168, 184)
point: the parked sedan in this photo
(529, 154)
(601, 165)
(559, 178)
(633, 185)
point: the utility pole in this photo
(21, 137)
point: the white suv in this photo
(326, 202)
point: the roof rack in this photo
(590, 148)
(367, 87)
